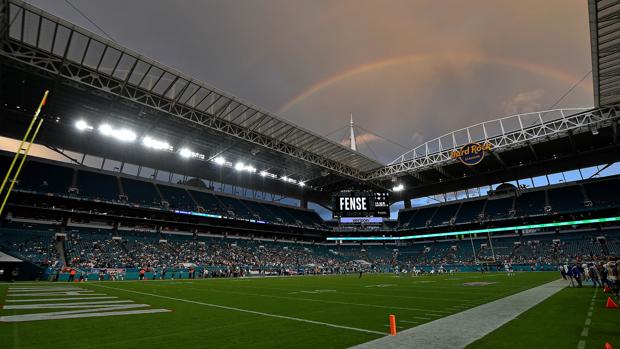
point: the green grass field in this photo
(289, 312)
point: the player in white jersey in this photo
(508, 269)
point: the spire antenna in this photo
(353, 144)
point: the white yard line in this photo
(320, 323)
(56, 299)
(319, 300)
(586, 325)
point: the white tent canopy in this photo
(6, 258)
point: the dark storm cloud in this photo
(416, 69)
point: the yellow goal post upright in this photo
(19, 153)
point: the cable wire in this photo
(570, 90)
(380, 136)
(89, 20)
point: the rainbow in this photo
(471, 58)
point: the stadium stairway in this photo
(60, 249)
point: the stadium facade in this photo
(137, 160)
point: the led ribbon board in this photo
(478, 231)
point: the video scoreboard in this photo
(349, 205)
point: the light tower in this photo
(353, 144)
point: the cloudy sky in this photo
(407, 70)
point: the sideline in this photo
(461, 329)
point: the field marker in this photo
(313, 292)
(69, 309)
(56, 299)
(247, 311)
(44, 289)
(103, 304)
(79, 314)
(392, 325)
(67, 293)
(383, 296)
(409, 322)
(421, 317)
(586, 329)
(325, 301)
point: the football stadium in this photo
(142, 206)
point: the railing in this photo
(504, 133)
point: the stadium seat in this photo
(97, 185)
(141, 192)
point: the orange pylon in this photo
(392, 325)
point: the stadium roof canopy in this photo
(93, 77)
(522, 146)
(605, 41)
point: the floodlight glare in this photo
(263, 173)
(184, 152)
(219, 160)
(398, 188)
(301, 184)
(125, 135)
(106, 130)
(250, 169)
(239, 166)
(83, 125)
(156, 144)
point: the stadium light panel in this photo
(288, 180)
(267, 174)
(398, 188)
(123, 134)
(156, 144)
(185, 152)
(219, 160)
(240, 166)
(302, 184)
(83, 126)
(106, 130)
